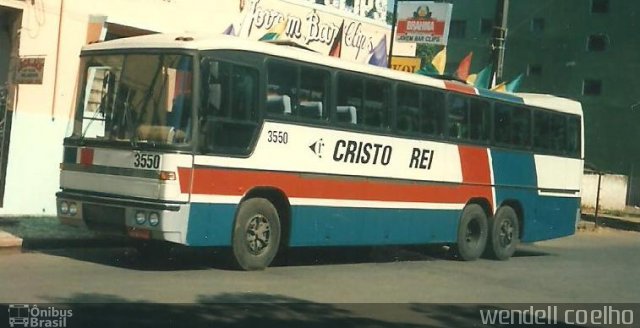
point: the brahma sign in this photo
(423, 22)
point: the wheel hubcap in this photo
(473, 232)
(506, 233)
(258, 234)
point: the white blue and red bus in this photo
(219, 141)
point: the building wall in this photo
(42, 117)
(613, 191)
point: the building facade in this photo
(586, 50)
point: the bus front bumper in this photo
(140, 219)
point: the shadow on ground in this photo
(262, 310)
(180, 258)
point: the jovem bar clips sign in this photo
(423, 22)
(30, 70)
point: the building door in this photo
(10, 19)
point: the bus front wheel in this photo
(256, 234)
(504, 234)
(472, 233)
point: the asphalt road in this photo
(601, 266)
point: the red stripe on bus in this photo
(234, 182)
(453, 86)
(475, 165)
(86, 156)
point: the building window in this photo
(537, 25)
(458, 29)
(534, 70)
(591, 87)
(599, 6)
(486, 26)
(597, 42)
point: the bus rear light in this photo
(167, 175)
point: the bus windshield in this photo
(136, 98)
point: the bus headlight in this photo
(73, 209)
(154, 219)
(64, 207)
(141, 217)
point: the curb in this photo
(9, 241)
(612, 222)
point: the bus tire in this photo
(504, 234)
(472, 233)
(256, 234)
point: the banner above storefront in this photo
(423, 22)
(319, 28)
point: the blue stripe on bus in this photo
(515, 179)
(513, 169)
(343, 226)
(212, 225)
(500, 96)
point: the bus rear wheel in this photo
(256, 234)
(472, 233)
(504, 234)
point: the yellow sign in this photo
(405, 64)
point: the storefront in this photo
(40, 41)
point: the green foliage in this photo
(427, 52)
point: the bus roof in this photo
(218, 41)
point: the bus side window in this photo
(432, 113)
(573, 136)
(479, 117)
(521, 127)
(502, 124)
(281, 88)
(350, 93)
(376, 104)
(228, 113)
(542, 130)
(312, 94)
(408, 117)
(458, 117)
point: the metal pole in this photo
(595, 220)
(393, 32)
(499, 38)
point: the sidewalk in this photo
(29, 233)
(627, 220)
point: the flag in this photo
(379, 53)
(336, 46)
(514, 85)
(463, 69)
(275, 32)
(436, 66)
(482, 78)
(500, 88)
(440, 60)
(230, 30)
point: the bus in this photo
(257, 147)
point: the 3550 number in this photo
(147, 161)
(281, 137)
